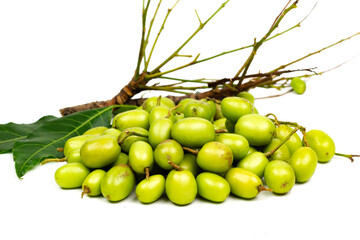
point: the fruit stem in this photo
(86, 190)
(221, 131)
(147, 173)
(283, 141)
(275, 118)
(53, 160)
(172, 109)
(158, 102)
(262, 188)
(177, 167)
(60, 149)
(190, 150)
(349, 156)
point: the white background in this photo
(55, 54)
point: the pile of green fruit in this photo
(205, 148)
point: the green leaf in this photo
(43, 142)
(11, 132)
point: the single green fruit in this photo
(212, 187)
(100, 151)
(141, 156)
(168, 150)
(112, 132)
(150, 190)
(178, 116)
(220, 123)
(92, 183)
(255, 162)
(257, 129)
(75, 143)
(238, 144)
(118, 183)
(123, 159)
(279, 176)
(180, 187)
(71, 175)
(159, 131)
(215, 157)
(235, 107)
(198, 108)
(181, 105)
(322, 144)
(304, 162)
(151, 102)
(161, 112)
(193, 132)
(298, 85)
(282, 153)
(248, 96)
(74, 156)
(189, 163)
(244, 183)
(95, 131)
(294, 142)
(132, 118)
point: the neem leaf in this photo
(43, 142)
(11, 132)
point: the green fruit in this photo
(218, 113)
(255, 162)
(198, 108)
(193, 132)
(294, 142)
(132, 118)
(153, 101)
(112, 132)
(212, 187)
(118, 183)
(212, 105)
(123, 158)
(99, 151)
(159, 131)
(75, 143)
(141, 156)
(150, 190)
(298, 85)
(181, 105)
(95, 131)
(178, 116)
(74, 156)
(92, 183)
(304, 162)
(168, 150)
(279, 176)
(71, 175)
(257, 129)
(189, 163)
(234, 107)
(230, 126)
(215, 157)
(322, 144)
(220, 123)
(126, 145)
(238, 144)
(180, 187)
(243, 183)
(282, 153)
(248, 96)
(160, 112)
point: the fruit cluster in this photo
(199, 147)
